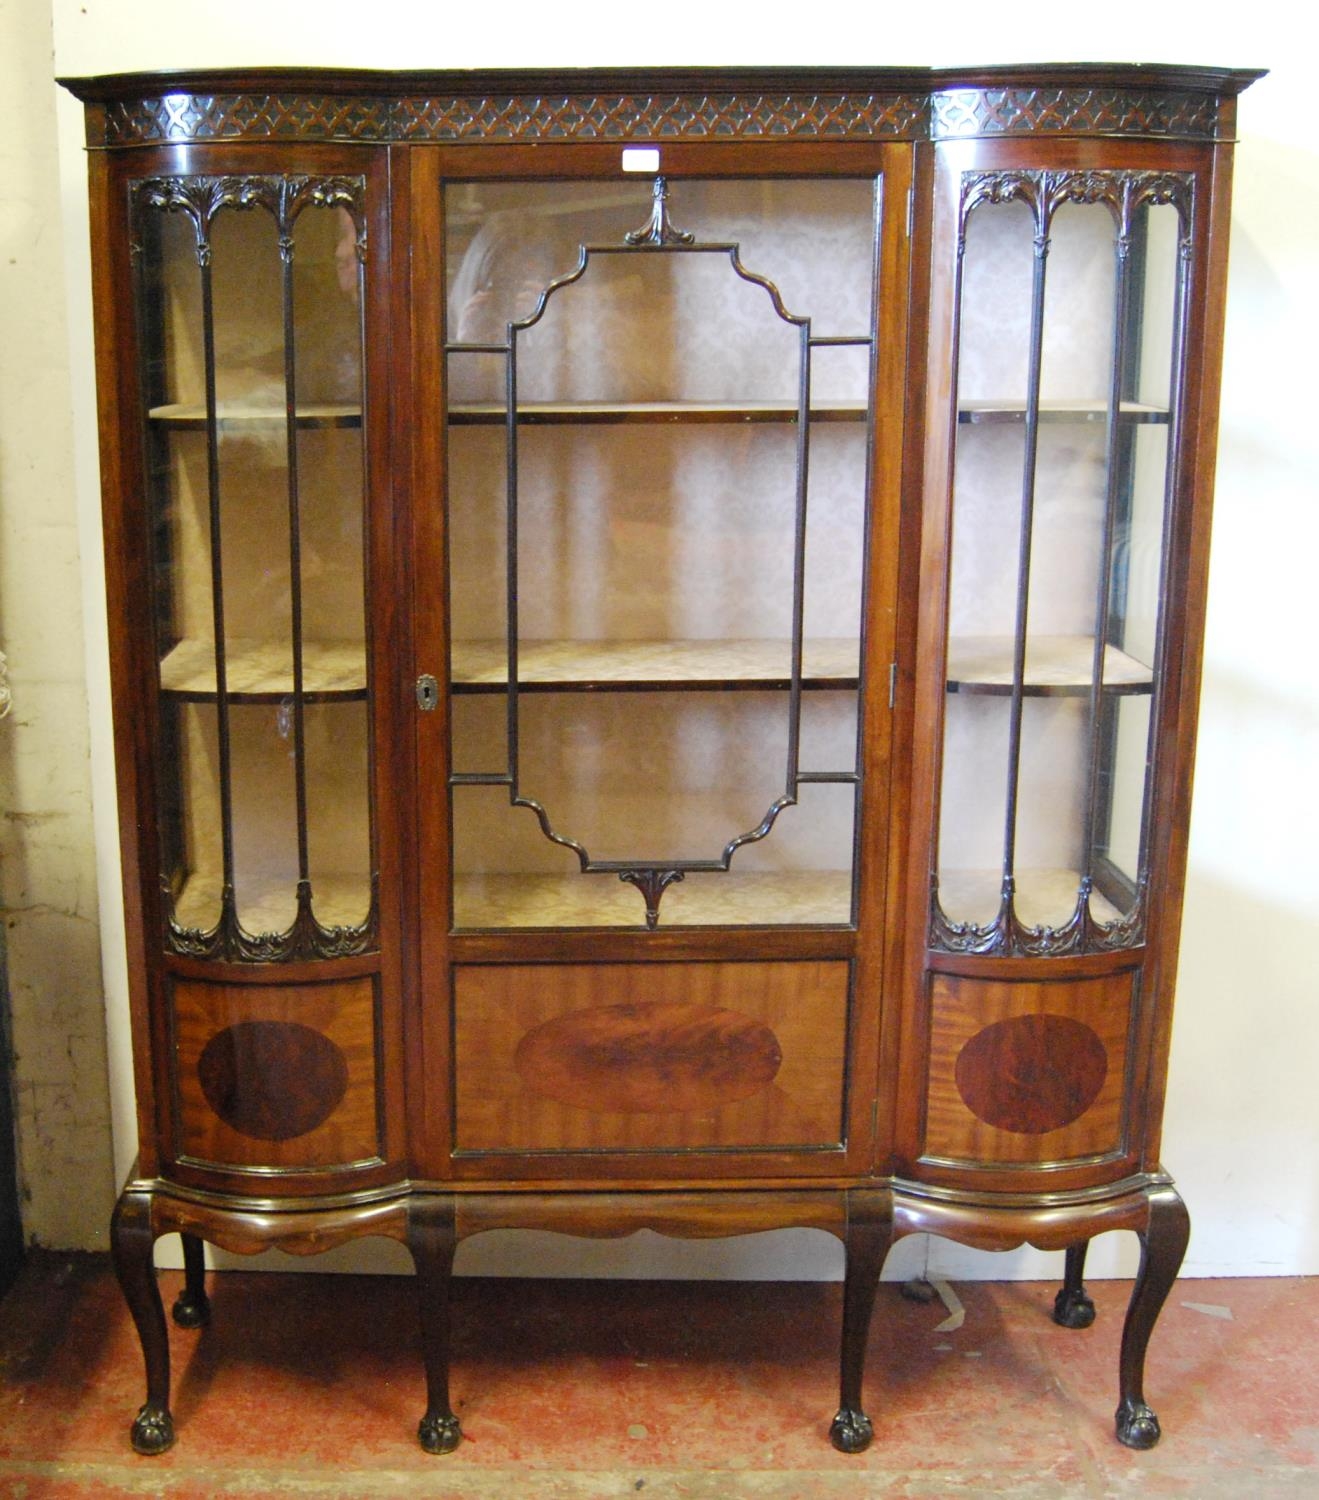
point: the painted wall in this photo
(1242, 1131)
(47, 854)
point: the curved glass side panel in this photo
(250, 328)
(1120, 832)
(1068, 371)
(669, 457)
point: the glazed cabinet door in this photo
(656, 780)
(252, 682)
(1054, 646)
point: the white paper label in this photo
(641, 158)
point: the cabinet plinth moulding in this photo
(831, 568)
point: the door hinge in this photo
(428, 693)
(892, 684)
(911, 211)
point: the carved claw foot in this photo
(1073, 1309)
(851, 1431)
(439, 1434)
(153, 1430)
(191, 1312)
(1137, 1426)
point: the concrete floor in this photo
(569, 1390)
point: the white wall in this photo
(47, 856)
(1243, 1114)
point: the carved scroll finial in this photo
(659, 231)
(652, 884)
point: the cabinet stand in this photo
(192, 1307)
(432, 1239)
(1072, 1307)
(132, 1240)
(866, 1220)
(1162, 1247)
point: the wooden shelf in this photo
(806, 898)
(992, 411)
(262, 671)
(1057, 666)
(566, 666)
(269, 904)
(185, 417)
(1043, 897)
(587, 413)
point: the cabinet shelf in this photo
(991, 411)
(182, 416)
(1057, 666)
(587, 413)
(269, 904)
(1044, 897)
(733, 898)
(568, 666)
(262, 671)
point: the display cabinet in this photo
(655, 619)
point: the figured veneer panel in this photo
(245, 1069)
(272, 1077)
(652, 1058)
(655, 1056)
(1027, 1073)
(1031, 1074)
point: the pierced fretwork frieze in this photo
(958, 113)
(1007, 936)
(284, 197)
(901, 114)
(228, 941)
(518, 117)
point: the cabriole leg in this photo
(132, 1240)
(1162, 1246)
(432, 1241)
(192, 1307)
(869, 1234)
(1072, 1307)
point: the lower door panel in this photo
(639, 1057)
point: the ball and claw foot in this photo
(440, 1434)
(191, 1312)
(1137, 1426)
(153, 1430)
(1073, 1309)
(851, 1431)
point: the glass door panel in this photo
(1068, 366)
(249, 299)
(666, 456)
(990, 465)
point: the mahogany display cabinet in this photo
(655, 626)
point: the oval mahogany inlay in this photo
(272, 1080)
(649, 1058)
(1031, 1074)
